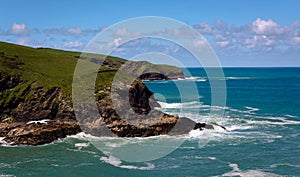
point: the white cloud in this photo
(125, 32)
(73, 44)
(293, 41)
(259, 41)
(19, 29)
(122, 32)
(250, 42)
(259, 36)
(199, 43)
(267, 41)
(205, 28)
(267, 27)
(117, 41)
(223, 43)
(52, 31)
(74, 31)
(71, 31)
(220, 37)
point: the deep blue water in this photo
(262, 114)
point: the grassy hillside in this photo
(22, 67)
(51, 67)
(45, 67)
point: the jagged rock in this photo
(142, 121)
(37, 134)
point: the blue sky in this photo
(243, 33)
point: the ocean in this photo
(262, 117)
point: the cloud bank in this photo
(259, 37)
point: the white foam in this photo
(192, 104)
(248, 173)
(206, 135)
(201, 80)
(212, 158)
(232, 136)
(191, 78)
(2, 175)
(218, 128)
(81, 145)
(195, 133)
(169, 105)
(112, 160)
(235, 110)
(251, 109)
(285, 164)
(194, 78)
(290, 116)
(238, 127)
(4, 143)
(234, 167)
(118, 163)
(238, 78)
(276, 121)
(44, 121)
(82, 136)
(80, 150)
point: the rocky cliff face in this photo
(27, 102)
(22, 102)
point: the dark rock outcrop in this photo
(138, 119)
(37, 133)
(33, 103)
(8, 81)
(153, 76)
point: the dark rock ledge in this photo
(37, 133)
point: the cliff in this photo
(36, 106)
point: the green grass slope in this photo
(24, 67)
(46, 67)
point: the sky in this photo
(242, 33)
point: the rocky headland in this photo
(36, 107)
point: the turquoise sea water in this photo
(262, 115)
